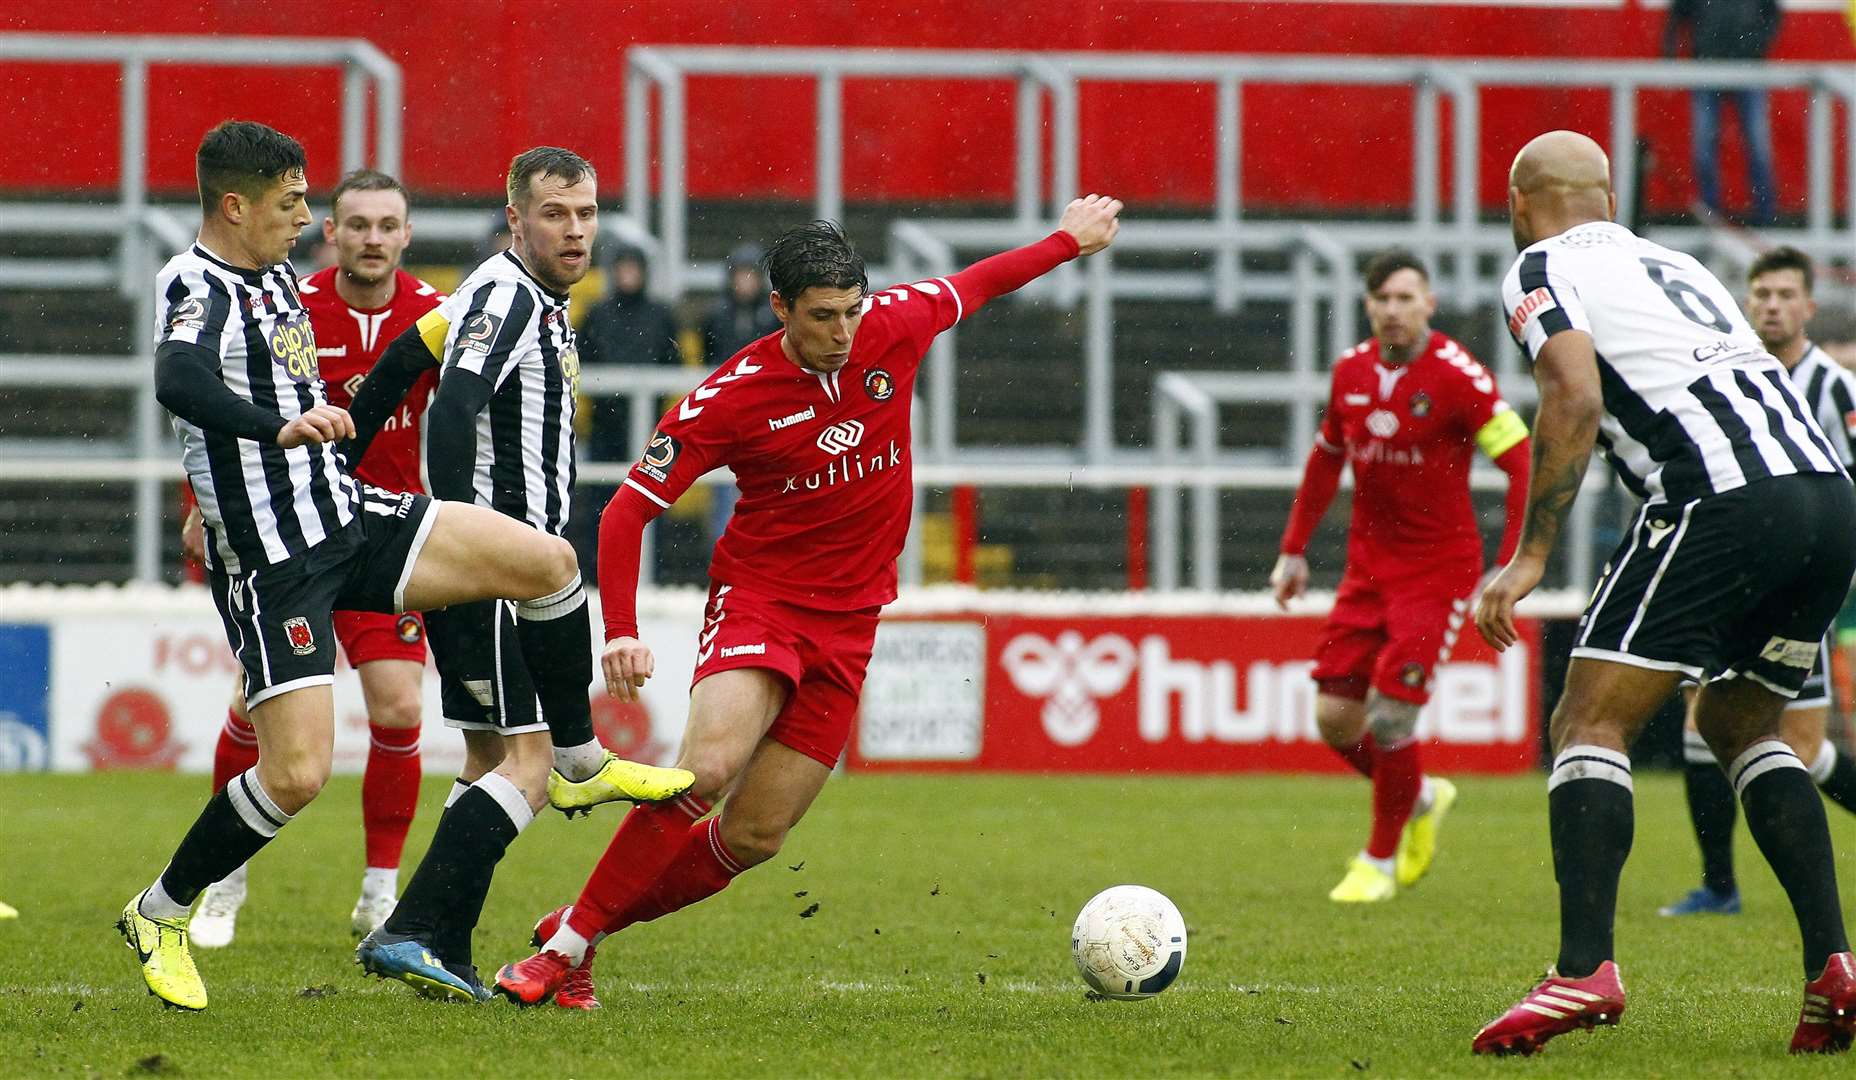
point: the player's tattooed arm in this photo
(1571, 403)
(1565, 429)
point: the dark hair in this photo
(1783, 258)
(568, 166)
(243, 156)
(814, 255)
(366, 180)
(1387, 263)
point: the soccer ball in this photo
(1129, 942)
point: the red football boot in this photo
(1556, 1006)
(533, 981)
(577, 991)
(1829, 1017)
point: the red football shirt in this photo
(348, 341)
(822, 461)
(1409, 433)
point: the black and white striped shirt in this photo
(508, 328)
(1829, 391)
(261, 504)
(1694, 405)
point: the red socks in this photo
(237, 750)
(1398, 776)
(703, 866)
(1360, 755)
(389, 792)
(644, 847)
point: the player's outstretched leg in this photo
(474, 553)
(1712, 811)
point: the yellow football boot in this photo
(167, 966)
(1417, 845)
(1364, 884)
(8, 911)
(617, 780)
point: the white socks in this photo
(579, 762)
(380, 881)
(157, 904)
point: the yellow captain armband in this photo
(1502, 433)
(433, 327)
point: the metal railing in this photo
(665, 71)
(147, 233)
(1235, 258)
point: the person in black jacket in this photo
(1728, 30)
(742, 314)
(625, 327)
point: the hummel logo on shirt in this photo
(788, 421)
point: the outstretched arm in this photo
(1565, 428)
(1088, 225)
(399, 367)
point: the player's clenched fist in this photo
(322, 424)
(628, 663)
(1093, 220)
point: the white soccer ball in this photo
(1129, 942)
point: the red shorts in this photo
(1390, 641)
(367, 636)
(821, 654)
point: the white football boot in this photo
(216, 919)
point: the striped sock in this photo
(1786, 817)
(237, 822)
(1591, 818)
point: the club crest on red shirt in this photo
(411, 630)
(879, 385)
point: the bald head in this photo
(1558, 180)
(1563, 160)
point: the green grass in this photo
(972, 884)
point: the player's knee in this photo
(555, 565)
(752, 841)
(294, 783)
(714, 773)
(398, 708)
(1393, 722)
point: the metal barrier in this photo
(1316, 279)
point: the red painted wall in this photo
(487, 78)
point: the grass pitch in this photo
(937, 943)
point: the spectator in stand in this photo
(625, 327)
(1728, 30)
(742, 314)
